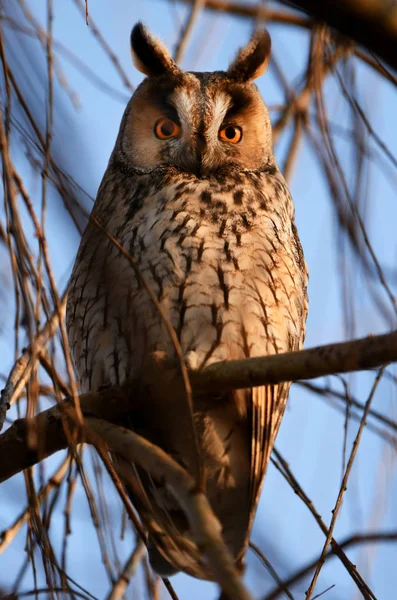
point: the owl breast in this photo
(223, 263)
(226, 266)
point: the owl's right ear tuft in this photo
(149, 54)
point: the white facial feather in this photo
(218, 109)
(184, 104)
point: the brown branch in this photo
(112, 403)
(104, 44)
(365, 353)
(352, 23)
(120, 586)
(267, 564)
(372, 23)
(52, 428)
(206, 529)
(255, 11)
(8, 535)
(22, 369)
(282, 466)
(187, 31)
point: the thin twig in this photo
(353, 540)
(282, 466)
(187, 31)
(282, 586)
(120, 586)
(21, 370)
(98, 35)
(343, 487)
(7, 536)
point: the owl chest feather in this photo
(221, 262)
(226, 267)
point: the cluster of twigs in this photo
(41, 375)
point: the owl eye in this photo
(165, 129)
(231, 133)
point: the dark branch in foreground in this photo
(52, 428)
(205, 527)
(371, 23)
(28, 441)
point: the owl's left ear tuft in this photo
(149, 54)
(253, 59)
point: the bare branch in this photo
(343, 488)
(50, 426)
(354, 540)
(112, 403)
(188, 29)
(283, 467)
(351, 27)
(365, 353)
(7, 535)
(20, 373)
(83, 8)
(255, 11)
(372, 23)
(120, 586)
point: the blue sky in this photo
(311, 436)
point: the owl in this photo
(193, 194)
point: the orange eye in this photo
(231, 133)
(166, 129)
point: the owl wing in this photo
(267, 409)
(267, 403)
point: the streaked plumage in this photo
(210, 224)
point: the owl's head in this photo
(200, 123)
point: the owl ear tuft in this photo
(253, 59)
(149, 54)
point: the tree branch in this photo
(353, 540)
(23, 367)
(114, 402)
(121, 584)
(357, 355)
(372, 23)
(51, 428)
(59, 427)
(219, 378)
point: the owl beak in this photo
(200, 147)
(201, 142)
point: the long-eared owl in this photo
(194, 195)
